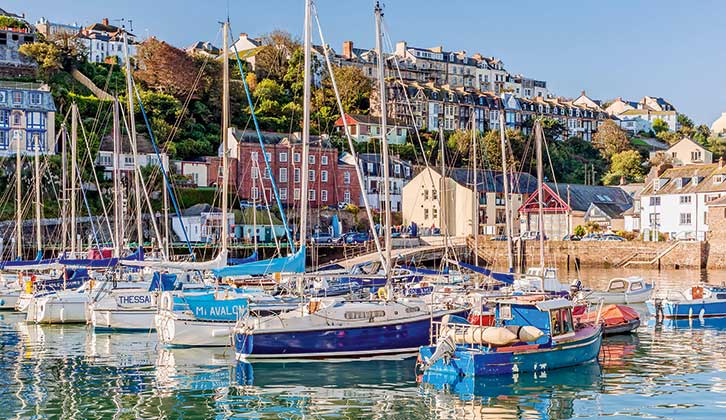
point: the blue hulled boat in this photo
(701, 301)
(529, 336)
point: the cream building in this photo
(686, 152)
(422, 202)
(718, 128)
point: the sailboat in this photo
(337, 327)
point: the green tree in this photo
(273, 59)
(685, 121)
(670, 137)
(659, 126)
(580, 230)
(626, 165)
(610, 139)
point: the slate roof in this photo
(493, 181)
(143, 144)
(581, 196)
(198, 209)
(368, 119)
(376, 159)
(611, 210)
(686, 173)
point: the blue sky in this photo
(667, 48)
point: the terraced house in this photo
(27, 116)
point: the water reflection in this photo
(667, 370)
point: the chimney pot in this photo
(243, 35)
(348, 49)
(105, 21)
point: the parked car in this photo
(322, 238)
(342, 205)
(498, 238)
(531, 236)
(572, 238)
(611, 237)
(592, 237)
(357, 238)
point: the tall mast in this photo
(442, 191)
(74, 177)
(64, 186)
(304, 196)
(132, 140)
(475, 215)
(384, 141)
(38, 234)
(225, 135)
(18, 201)
(505, 183)
(118, 197)
(538, 134)
(254, 204)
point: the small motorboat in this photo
(702, 301)
(621, 290)
(528, 336)
(616, 319)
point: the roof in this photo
(143, 144)
(493, 181)
(686, 174)
(611, 210)
(367, 119)
(647, 111)
(719, 126)
(580, 197)
(204, 46)
(198, 209)
(719, 202)
(100, 27)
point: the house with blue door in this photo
(27, 118)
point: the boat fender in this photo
(382, 293)
(167, 301)
(313, 306)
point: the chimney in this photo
(622, 180)
(720, 162)
(348, 49)
(401, 48)
(583, 93)
(243, 35)
(105, 21)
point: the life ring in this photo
(697, 292)
(167, 301)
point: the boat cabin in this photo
(553, 317)
(626, 285)
(537, 279)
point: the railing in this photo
(632, 260)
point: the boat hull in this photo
(176, 330)
(128, 320)
(621, 298)
(360, 341)
(8, 300)
(706, 308)
(475, 361)
(53, 310)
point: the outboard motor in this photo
(575, 288)
(445, 347)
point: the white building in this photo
(718, 128)
(146, 155)
(674, 202)
(686, 152)
(103, 40)
(197, 172)
(27, 115)
(400, 172)
(202, 222)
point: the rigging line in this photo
(88, 209)
(166, 176)
(267, 207)
(137, 169)
(264, 154)
(358, 170)
(95, 176)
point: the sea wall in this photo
(604, 253)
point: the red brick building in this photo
(330, 181)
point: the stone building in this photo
(17, 32)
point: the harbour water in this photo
(673, 370)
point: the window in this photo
(560, 321)
(283, 175)
(426, 194)
(254, 172)
(30, 138)
(17, 97)
(3, 96)
(255, 193)
(435, 213)
(296, 175)
(654, 219)
(323, 195)
(324, 176)
(283, 194)
(17, 118)
(283, 157)
(296, 193)
(696, 155)
(268, 155)
(685, 199)
(266, 173)
(253, 156)
(296, 157)
(397, 169)
(35, 98)
(426, 214)
(346, 196)
(4, 118)
(311, 159)
(434, 194)
(407, 171)
(324, 160)
(655, 201)
(685, 219)
(311, 175)
(311, 195)
(346, 177)
(370, 168)
(4, 139)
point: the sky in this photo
(617, 48)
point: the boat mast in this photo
(384, 142)
(64, 186)
(254, 204)
(538, 134)
(74, 162)
(38, 237)
(225, 135)
(18, 201)
(132, 140)
(475, 215)
(505, 184)
(118, 198)
(304, 196)
(442, 193)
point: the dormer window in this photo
(718, 179)
(659, 183)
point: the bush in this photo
(626, 235)
(580, 230)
